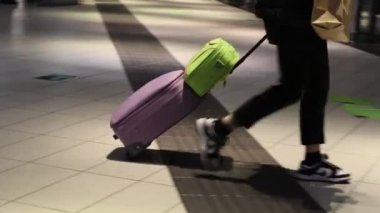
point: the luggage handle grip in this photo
(242, 59)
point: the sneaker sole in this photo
(209, 164)
(321, 179)
(199, 126)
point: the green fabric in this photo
(362, 111)
(351, 100)
(210, 65)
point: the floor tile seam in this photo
(107, 81)
(369, 85)
(48, 185)
(160, 184)
(5, 203)
(17, 105)
(124, 178)
(75, 91)
(376, 157)
(23, 89)
(106, 197)
(371, 183)
(56, 167)
(242, 195)
(280, 143)
(14, 167)
(88, 170)
(298, 145)
(78, 139)
(53, 111)
(76, 173)
(58, 111)
(17, 108)
(288, 136)
(116, 145)
(91, 99)
(174, 206)
(72, 95)
(348, 133)
(141, 180)
(34, 161)
(23, 120)
(96, 98)
(36, 135)
(269, 146)
(279, 124)
(58, 151)
(333, 108)
(349, 194)
(19, 141)
(336, 141)
(154, 173)
(18, 90)
(355, 154)
(14, 94)
(37, 206)
(47, 133)
(369, 170)
(365, 135)
(270, 121)
(68, 94)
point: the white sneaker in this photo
(322, 171)
(211, 143)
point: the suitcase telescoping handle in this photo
(242, 59)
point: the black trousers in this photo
(304, 76)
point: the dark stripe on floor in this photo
(255, 183)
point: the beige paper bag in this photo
(331, 19)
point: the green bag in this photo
(210, 65)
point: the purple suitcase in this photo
(152, 110)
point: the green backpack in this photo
(210, 65)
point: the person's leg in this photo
(214, 132)
(315, 166)
(314, 99)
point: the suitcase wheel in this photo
(134, 150)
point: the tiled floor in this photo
(55, 136)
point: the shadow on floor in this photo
(274, 181)
(180, 159)
(268, 180)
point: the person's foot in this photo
(211, 143)
(322, 171)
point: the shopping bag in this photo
(331, 19)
